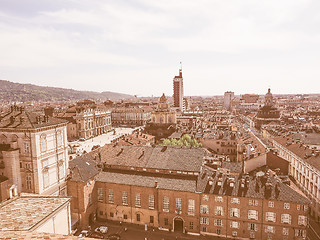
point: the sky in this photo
(136, 46)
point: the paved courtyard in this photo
(101, 139)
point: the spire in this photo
(180, 70)
(163, 98)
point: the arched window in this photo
(29, 181)
(161, 119)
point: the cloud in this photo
(144, 40)
(46, 47)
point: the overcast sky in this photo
(136, 46)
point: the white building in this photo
(33, 152)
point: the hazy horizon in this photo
(135, 47)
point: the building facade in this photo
(131, 116)
(34, 154)
(86, 120)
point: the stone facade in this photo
(86, 120)
(33, 152)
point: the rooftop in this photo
(264, 184)
(22, 235)
(158, 157)
(24, 212)
(83, 168)
(308, 155)
(18, 118)
(147, 181)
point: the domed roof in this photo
(269, 92)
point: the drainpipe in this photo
(227, 213)
(156, 198)
(33, 173)
(57, 155)
(131, 203)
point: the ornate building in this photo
(163, 120)
(268, 113)
(33, 153)
(86, 120)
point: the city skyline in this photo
(135, 47)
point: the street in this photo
(135, 232)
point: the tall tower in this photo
(178, 90)
(227, 100)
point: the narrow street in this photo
(135, 232)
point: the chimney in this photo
(48, 111)
(45, 119)
(12, 118)
(38, 119)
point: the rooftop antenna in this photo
(181, 66)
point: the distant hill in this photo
(18, 92)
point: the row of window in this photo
(125, 217)
(204, 209)
(125, 198)
(90, 125)
(251, 226)
(253, 202)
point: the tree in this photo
(185, 140)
